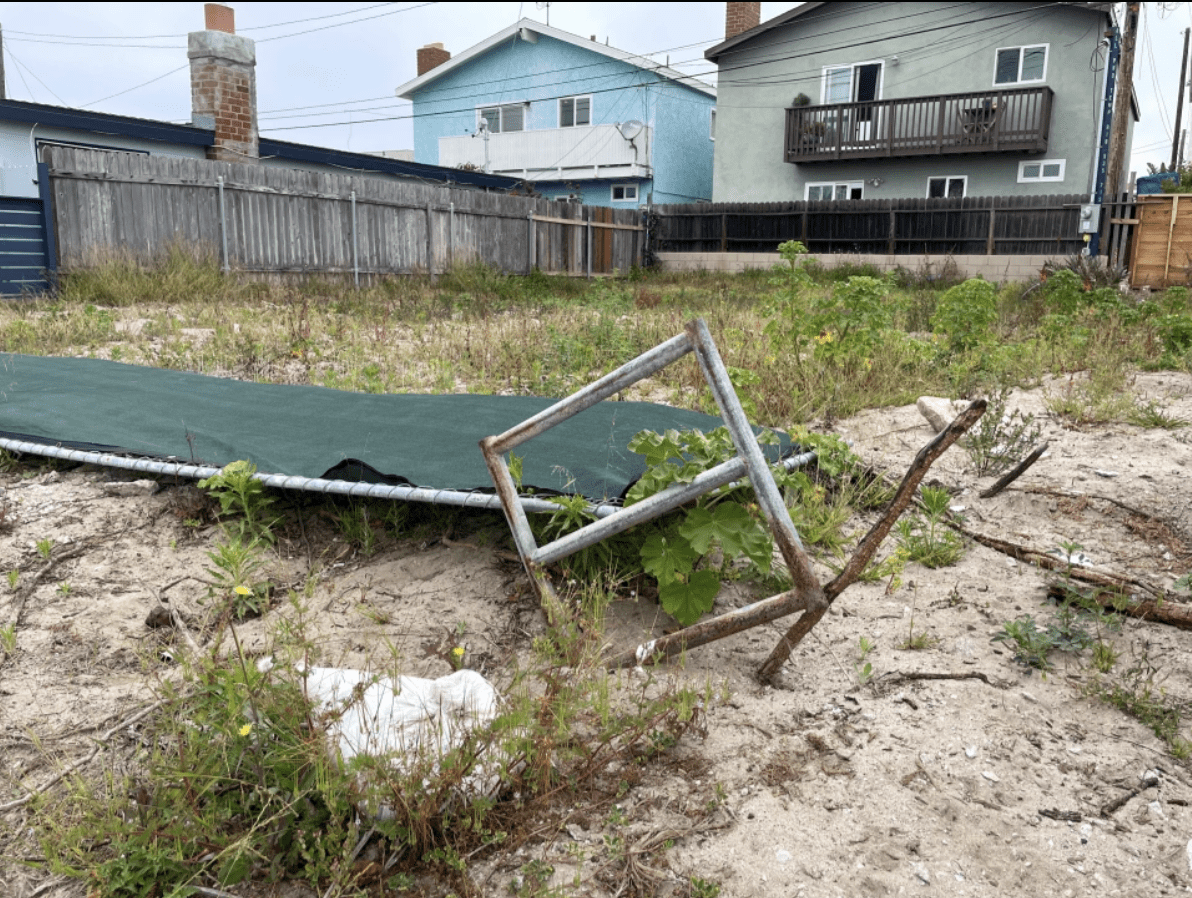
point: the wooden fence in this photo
(1030, 225)
(271, 220)
(1163, 246)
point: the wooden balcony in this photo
(991, 121)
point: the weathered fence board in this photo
(289, 221)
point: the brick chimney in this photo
(431, 56)
(739, 17)
(223, 85)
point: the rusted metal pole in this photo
(869, 544)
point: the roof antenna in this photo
(545, 6)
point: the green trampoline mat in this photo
(315, 432)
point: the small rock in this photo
(576, 832)
(920, 871)
(1110, 474)
(938, 411)
(159, 617)
(783, 856)
(129, 488)
(1150, 777)
(991, 776)
(970, 752)
(1156, 810)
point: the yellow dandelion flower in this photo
(458, 651)
(242, 591)
(246, 729)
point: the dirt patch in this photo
(828, 783)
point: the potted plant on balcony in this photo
(811, 132)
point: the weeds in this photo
(863, 667)
(237, 784)
(8, 639)
(927, 539)
(999, 440)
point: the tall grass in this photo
(476, 330)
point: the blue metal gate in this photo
(28, 258)
(23, 256)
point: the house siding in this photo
(755, 89)
(678, 150)
(18, 168)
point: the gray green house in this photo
(894, 100)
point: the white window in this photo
(855, 83)
(624, 193)
(1041, 170)
(575, 111)
(850, 190)
(712, 126)
(950, 186)
(1020, 65)
(510, 117)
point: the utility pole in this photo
(1179, 107)
(1121, 104)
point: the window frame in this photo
(1022, 48)
(624, 186)
(501, 107)
(849, 185)
(947, 179)
(573, 100)
(712, 124)
(1023, 179)
(852, 79)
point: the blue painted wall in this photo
(539, 73)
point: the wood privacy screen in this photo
(1162, 254)
(977, 225)
(273, 220)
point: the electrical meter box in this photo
(1090, 218)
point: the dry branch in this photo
(71, 768)
(1014, 473)
(869, 545)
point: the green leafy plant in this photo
(8, 639)
(14, 577)
(863, 667)
(1031, 644)
(703, 888)
(998, 441)
(45, 547)
(239, 492)
(966, 313)
(721, 520)
(927, 539)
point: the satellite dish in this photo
(631, 128)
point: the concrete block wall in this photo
(998, 269)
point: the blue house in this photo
(574, 117)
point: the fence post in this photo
(531, 248)
(430, 241)
(890, 244)
(803, 226)
(355, 252)
(223, 226)
(451, 235)
(724, 232)
(990, 243)
(589, 226)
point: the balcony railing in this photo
(555, 154)
(992, 121)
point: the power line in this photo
(115, 41)
(21, 65)
(151, 37)
(137, 86)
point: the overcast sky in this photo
(330, 80)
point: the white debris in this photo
(128, 488)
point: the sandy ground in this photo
(820, 785)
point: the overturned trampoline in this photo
(420, 448)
